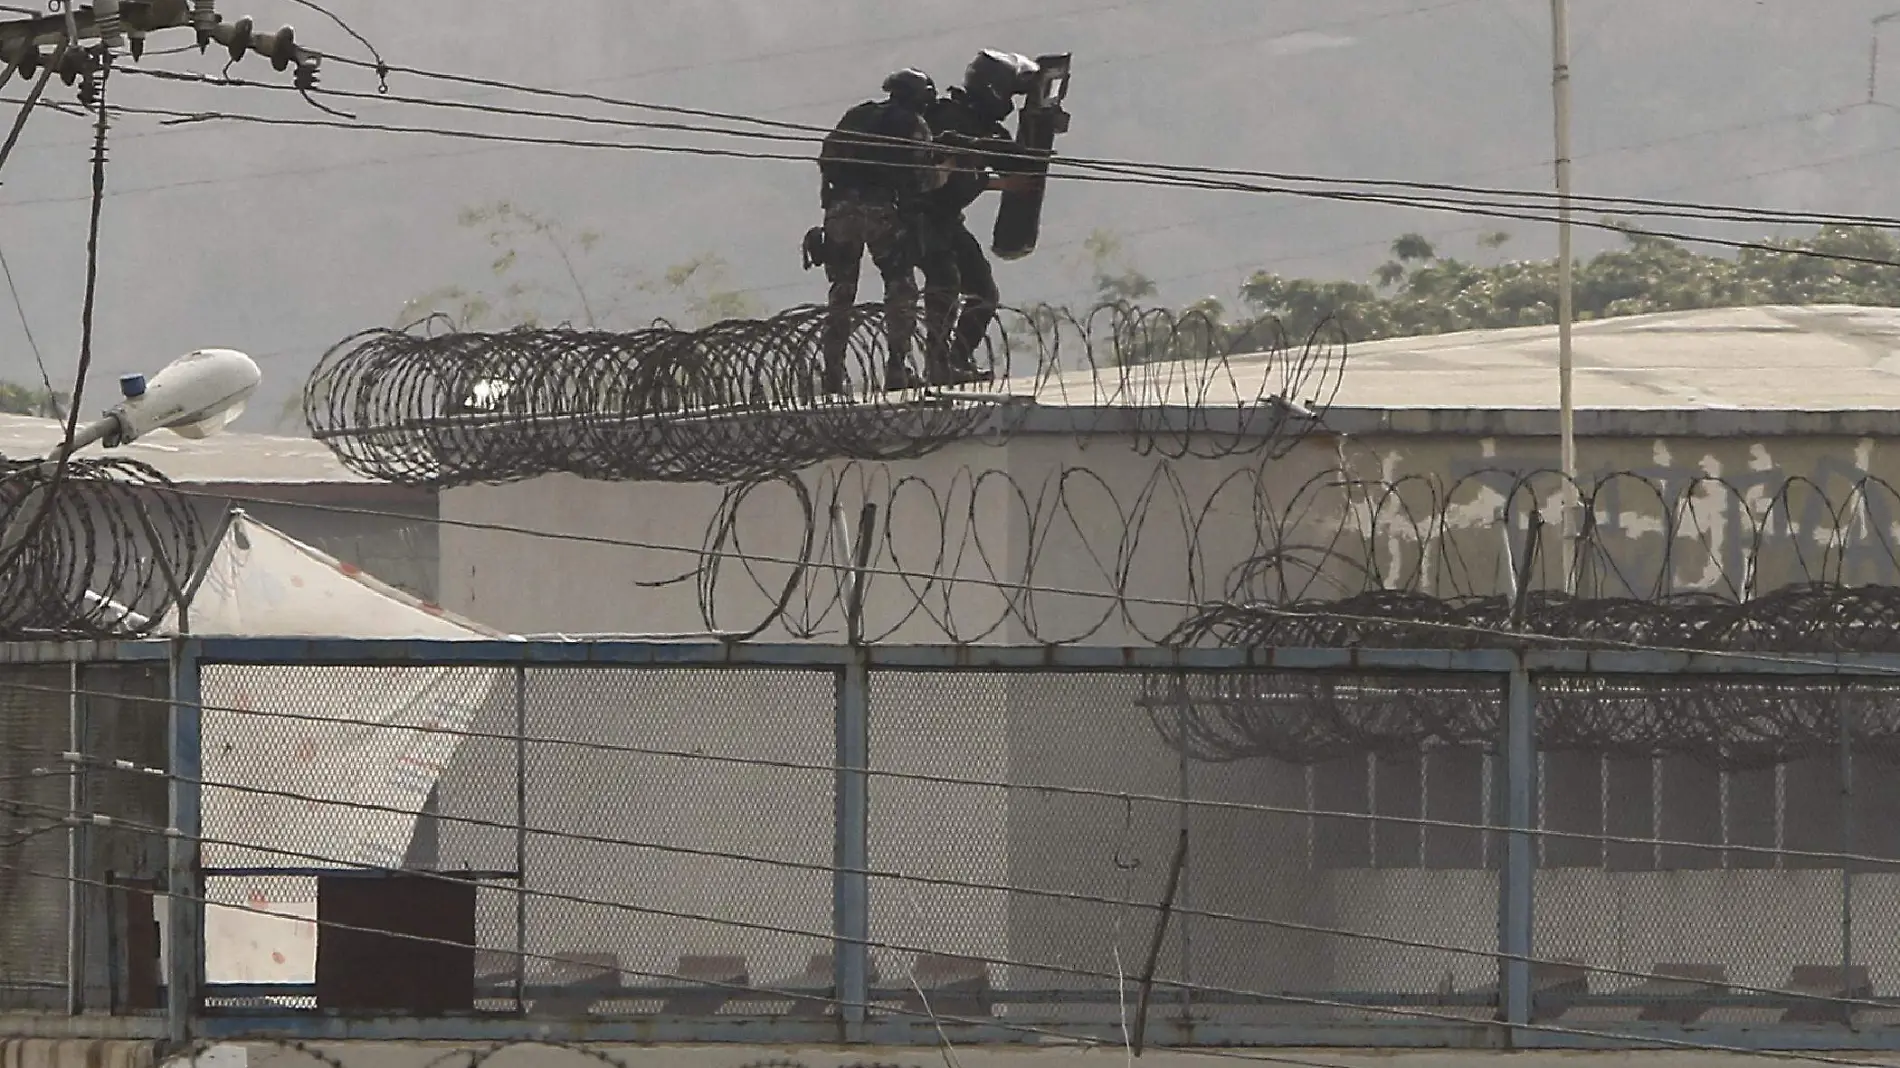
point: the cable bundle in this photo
(88, 565)
(742, 399)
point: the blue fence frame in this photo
(1517, 669)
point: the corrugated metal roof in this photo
(224, 458)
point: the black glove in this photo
(814, 247)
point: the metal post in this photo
(1187, 885)
(850, 887)
(1520, 793)
(1566, 311)
(1845, 716)
(184, 901)
(851, 852)
(521, 838)
(77, 843)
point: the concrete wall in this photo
(1116, 543)
(1101, 533)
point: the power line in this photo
(1313, 254)
(754, 991)
(1279, 997)
(1513, 637)
(727, 116)
(1168, 801)
(1129, 177)
(805, 133)
(39, 358)
(1072, 897)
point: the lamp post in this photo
(1566, 414)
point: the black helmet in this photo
(993, 77)
(911, 88)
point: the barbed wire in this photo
(1730, 724)
(743, 399)
(1078, 554)
(92, 552)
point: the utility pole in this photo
(23, 41)
(1873, 56)
(1566, 414)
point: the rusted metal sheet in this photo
(395, 944)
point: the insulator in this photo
(105, 16)
(283, 48)
(240, 42)
(204, 16)
(31, 60)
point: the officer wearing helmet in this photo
(960, 294)
(875, 165)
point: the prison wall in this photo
(1059, 539)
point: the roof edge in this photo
(1472, 422)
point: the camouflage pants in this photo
(851, 227)
(960, 296)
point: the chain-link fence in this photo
(1277, 913)
(1053, 848)
(77, 859)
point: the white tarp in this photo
(325, 767)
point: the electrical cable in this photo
(26, 325)
(766, 993)
(1626, 205)
(1069, 897)
(1274, 997)
(1282, 566)
(1050, 789)
(1136, 179)
(16, 546)
(806, 134)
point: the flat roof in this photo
(1825, 369)
(223, 459)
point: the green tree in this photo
(701, 284)
(1115, 281)
(545, 274)
(16, 399)
(1418, 291)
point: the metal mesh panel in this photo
(679, 857)
(124, 717)
(1723, 893)
(34, 729)
(1258, 903)
(316, 768)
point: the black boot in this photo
(898, 376)
(831, 380)
(953, 372)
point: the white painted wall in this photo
(1115, 543)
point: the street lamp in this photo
(194, 396)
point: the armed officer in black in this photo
(957, 274)
(876, 164)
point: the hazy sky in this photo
(281, 240)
